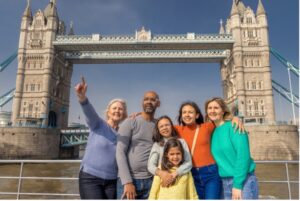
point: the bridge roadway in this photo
(189, 48)
(73, 137)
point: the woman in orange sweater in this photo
(197, 135)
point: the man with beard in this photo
(133, 149)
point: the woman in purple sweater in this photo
(98, 170)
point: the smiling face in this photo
(189, 115)
(215, 112)
(165, 128)
(116, 112)
(150, 102)
(174, 156)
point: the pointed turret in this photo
(27, 12)
(241, 7)
(51, 10)
(71, 31)
(234, 9)
(222, 31)
(260, 9)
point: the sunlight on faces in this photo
(165, 128)
(116, 112)
(189, 115)
(150, 102)
(214, 111)
(174, 156)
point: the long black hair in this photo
(199, 120)
(157, 137)
(165, 163)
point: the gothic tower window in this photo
(253, 85)
(30, 107)
(38, 87)
(26, 87)
(249, 20)
(32, 87)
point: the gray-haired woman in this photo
(98, 170)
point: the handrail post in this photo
(288, 180)
(20, 180)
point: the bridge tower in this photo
(246, 75)
(43, 76)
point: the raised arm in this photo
(92, 118)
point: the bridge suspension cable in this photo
(284, 92)
(285, 62)
(7, 61)
(6, 97)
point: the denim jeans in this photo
(249, 191)
(142, 188)
(92, 187)
(207, 181)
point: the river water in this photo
(264, 172)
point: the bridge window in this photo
(32, 87)
(253, 85)
(26, 87)
(260, 85)
(30, 107)
(247, 86)
(249, 20)
(250, 34)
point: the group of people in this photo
(140, 157)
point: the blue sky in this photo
(174, 82)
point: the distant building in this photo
(5, 118)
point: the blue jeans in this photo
(249, 191)
(92, 187)
(207, 182)
(142, 188)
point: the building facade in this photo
(246, 74)
(44, 72)
(43, 77)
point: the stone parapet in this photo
(274, 142)
(29, 143)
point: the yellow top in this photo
(183, 189)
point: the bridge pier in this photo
(29, 143)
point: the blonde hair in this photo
(227, 114)
(123, 103)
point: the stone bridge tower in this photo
(43, 77)
(246, 75)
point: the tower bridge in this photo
(46, 56)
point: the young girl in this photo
(231, 151)
(163, 131)
(184, 187)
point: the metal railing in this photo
(20, 178)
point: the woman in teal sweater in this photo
(231, 152)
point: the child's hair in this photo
(157, 137)
(194, 105)
(171, 143)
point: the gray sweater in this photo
(133, 148)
